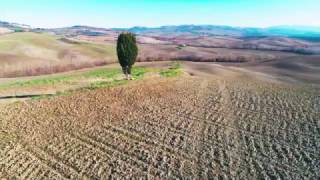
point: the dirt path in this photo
(200, 127)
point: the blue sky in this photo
(128, 13)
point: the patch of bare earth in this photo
(189, 127)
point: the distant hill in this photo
(77, 30)
(211, 30)
(304, 32)
(297, 39)
(15, 26)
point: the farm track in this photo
(194, 128)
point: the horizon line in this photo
(168, 25)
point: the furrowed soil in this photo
(199, 127)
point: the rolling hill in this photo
(28, 53)
(39, 51)
(301, 40)
(296, 39)
(212, 30)
(33, 53)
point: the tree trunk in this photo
(125, 72)
(129, 72)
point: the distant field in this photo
(28, 54)
(200, 50)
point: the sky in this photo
(153, 13)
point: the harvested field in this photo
(157, 50)
(30, 54)
(200, 127)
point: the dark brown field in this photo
(213, 122)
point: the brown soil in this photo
(208, 126)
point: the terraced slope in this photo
(197, 128)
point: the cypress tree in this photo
(127, 51)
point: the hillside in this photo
(288, 39)
(47, 51)
(28, 53)
(32, 54)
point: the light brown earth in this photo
(213, 122)
(30, 54)
(158, 49)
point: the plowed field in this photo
(181, 128)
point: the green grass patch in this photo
(44, 81)
(137, 73)
(114, 83)
(174, 71)
(102, 73)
